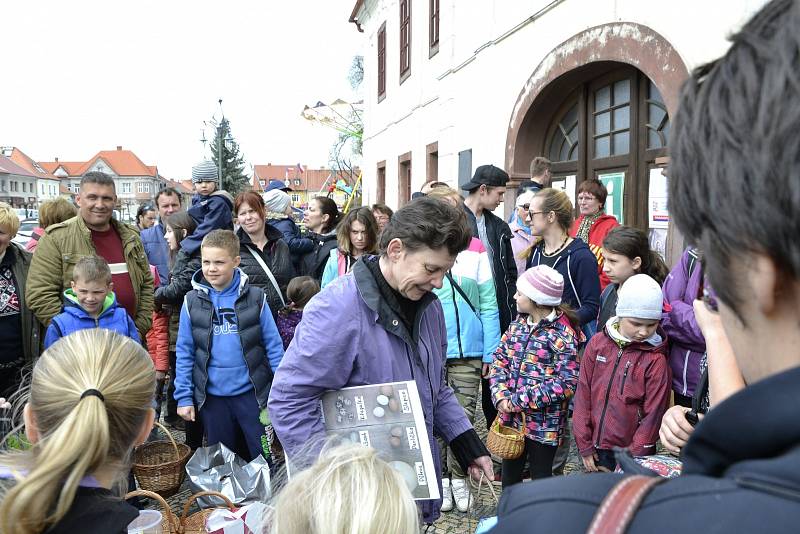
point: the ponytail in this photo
(77, 434)
(633, 243)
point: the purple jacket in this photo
(687, 343)
(350, 337)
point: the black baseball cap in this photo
(487, 175)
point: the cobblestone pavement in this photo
(453, 522)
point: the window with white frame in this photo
(126, 187)
(295, 197)
(142, 187)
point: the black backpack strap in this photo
(457, 287)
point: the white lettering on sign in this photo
(411, 434)
(361, 410)
(405, 401)
(363, 437)
(421, 479)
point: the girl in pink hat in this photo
(535, 371)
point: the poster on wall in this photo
(658, 241)
(615, 185)
(657, 200)
(566, 184)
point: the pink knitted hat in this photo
(542, 284)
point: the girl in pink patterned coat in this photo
(535, 371)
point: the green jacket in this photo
(60, 248)
(31, 333)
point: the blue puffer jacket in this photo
(74, 318)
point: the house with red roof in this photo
(17, 184)
(136, 183)
(305, 183)
(48, 186)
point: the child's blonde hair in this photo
(78, 434)
(92, 269)
(349, 490)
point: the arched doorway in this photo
(598, 105)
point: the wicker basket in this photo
(169, 521)
(196, 523)
(505, 442)
(159, 465)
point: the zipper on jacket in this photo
(605, 403)
(624, 377)
(458, 323)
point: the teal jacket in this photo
(74, 318)
(471, 334)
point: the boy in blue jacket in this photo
(211, 208)
(227, 350)
(90, 303)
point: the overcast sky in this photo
(84, 76)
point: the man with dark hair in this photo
(168, 201)
(734, 193)
(486, 190)
(382, 324)
(92, 233)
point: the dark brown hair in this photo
(300, 290)
(733, 176)
(427, 222)
(633, 243)
(383, 208)
(594, 187)
(182, 226)
(328, 207)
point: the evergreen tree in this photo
(234, 180)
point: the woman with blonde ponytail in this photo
(90, 402)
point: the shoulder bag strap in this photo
(619, 506)
(257, 255)
(453, 283)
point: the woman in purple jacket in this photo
(382, 324)
(687, 344)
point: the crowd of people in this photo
(226, 313)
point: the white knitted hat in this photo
(640, 297)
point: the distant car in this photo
(26, 213)
(25, 229)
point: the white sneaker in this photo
(447, 496)
(461, 494)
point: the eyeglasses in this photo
(526, 207)
(532, 213)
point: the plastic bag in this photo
(217, 468)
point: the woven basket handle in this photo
(171, 439)
(155, 496)
(228, 504)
